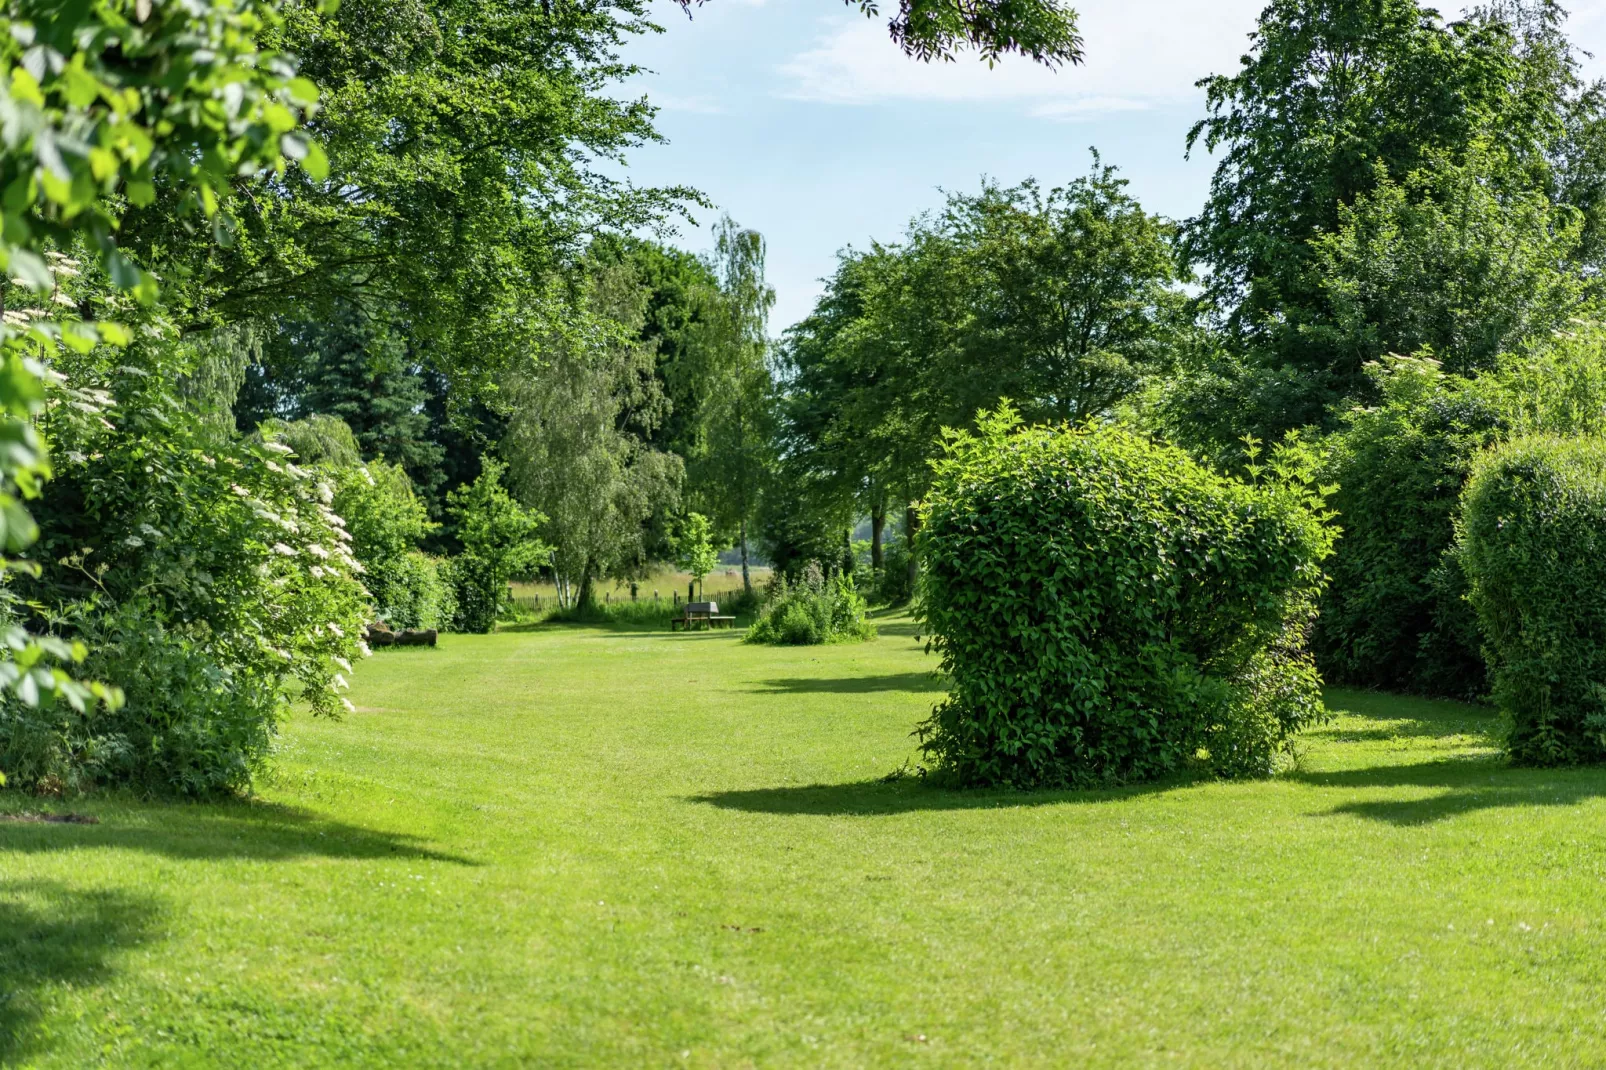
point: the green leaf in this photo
(316, 163)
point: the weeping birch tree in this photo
(577, 435)
(732, 452)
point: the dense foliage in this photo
(1385, 119)
(499, 542)
(1395, 615)
(1533, 547)
(95, 120)
(209, 576)
(812, 609)
(387, 522)
(1107, 609)
(1065, 300)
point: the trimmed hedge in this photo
(1533, 549)
(1108, 610)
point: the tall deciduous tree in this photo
(1333, 98)
(1064, 300)
(577, 438)
(1449, 259)
(463, 139)
(729, 462)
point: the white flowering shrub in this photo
(208, 575)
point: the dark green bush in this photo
(1394, 615)
(478, 593)
(1108, 610)
(1389, 618)
(814, 609)
(1533, 548)
(892, 581)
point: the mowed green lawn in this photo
(576, 848)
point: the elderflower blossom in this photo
(281, 548)
(342, 662)
(318, 551)
(346, 702)
(277, 447)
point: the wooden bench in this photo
(706, 614)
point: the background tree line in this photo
(331, 313)
(1401, 241)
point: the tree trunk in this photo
(847, 552)
(747, 581)
(878, 521)
(911, 525)
(583, 601)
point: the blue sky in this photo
(802, 119)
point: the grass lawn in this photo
(580, 848)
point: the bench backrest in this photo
(702, 609)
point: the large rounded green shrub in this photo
(1108, 610)
(1533, 548)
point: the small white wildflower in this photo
(318, 551)
(152, 532)
(335, 628)
(274, 465)
(277, 447)
(342, 662)
(62, 299)
(285, 654)
(281, 548)
(326, 493)
(340, 683)
(209, 462)
(346, 702)
(241, 491)
(318, 571)
(364, 649)
(134, 541)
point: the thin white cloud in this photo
(1138, 56)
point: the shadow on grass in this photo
(903, 628)
(53, 935)
(1468, 785)
(248, 830)
(870, 798)
(852, 685)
